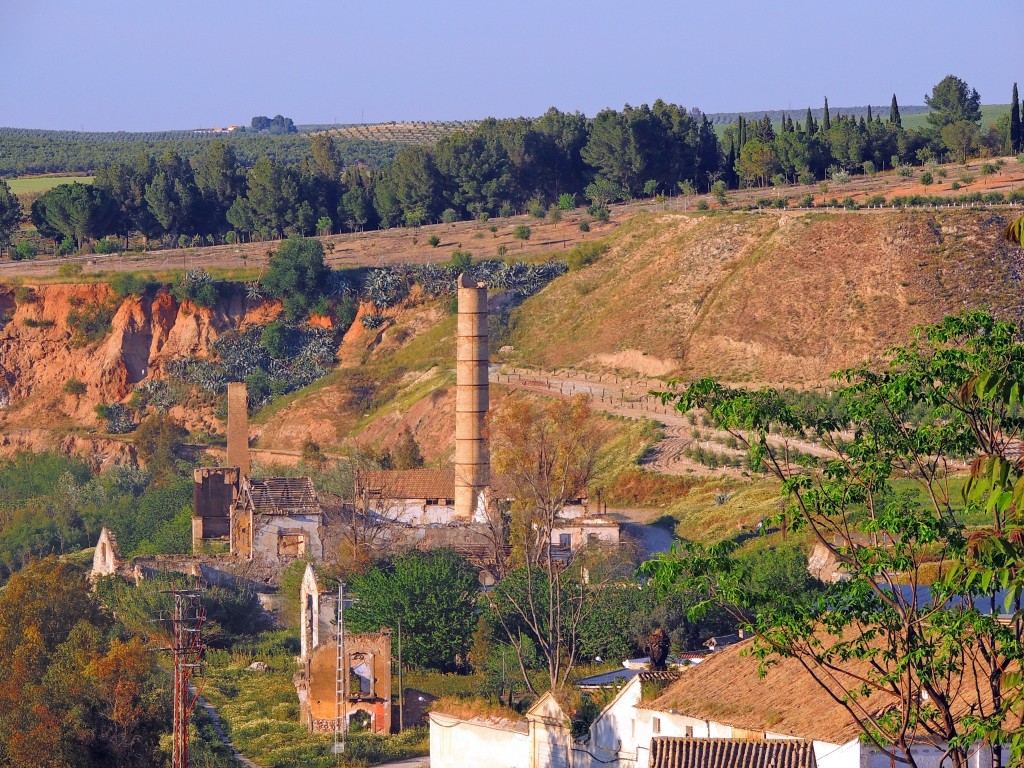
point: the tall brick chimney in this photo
(238, 428)
(472, 459)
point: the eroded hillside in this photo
(779, 298)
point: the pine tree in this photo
(1015, 137)
(826, 121)
(894, 113)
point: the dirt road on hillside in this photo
(688, 441)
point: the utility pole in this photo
(187, 649)
(341, 680)
(401, 690)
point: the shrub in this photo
(904, 170)
(89, 324)
(567, 201)
(197, 286)
(584, 226)
(24, 295)
(702, 205)
(584, 254)
(129, 284)
(849, 203)
(536, 208)
(119, 420)
(987, 169)
(65, 247)
(449, 216)
(521, 232)
(941, 173)
(955, 185)
(433, 241)
(506, 210)
(461, 261)
(275, 339)
(718, 189)
(869, 168)
(107, 246)
(926, 178)
(24, 251)
(966, 178)
(31, 322)
(1017, 196)
(373, 321)
(74, 386)
(69, 269)
(876, 201)
(599, 211)
(839, 176)
(554, 213)
(297, 275)
(807, 201)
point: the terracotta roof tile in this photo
(409, 483)
(668, 752)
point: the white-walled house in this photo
(717, 714)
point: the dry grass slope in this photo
(784, 297)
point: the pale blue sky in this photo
(155, 64)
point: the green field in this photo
(26, 185)
(989, 114)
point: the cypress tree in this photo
(894, 113)
(826, 121)
(869, 113)
(810, 122)
(1015, 138)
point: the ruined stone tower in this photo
(238, 427)
(472, 459)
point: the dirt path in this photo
(222, 735)
(682, 434)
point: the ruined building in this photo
(457, 507)
(361, 694)
(275, 519)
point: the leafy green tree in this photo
(220, 180)
(432, 594)
(156, 441)
(1015, 133)
(953, 394)
(894, 113)
(173, 197)
(76, 211)
(73, 694)
(953, 101)
(10, 215)
(297, 276)
(757, 162)
(126, 181)
(960, 138)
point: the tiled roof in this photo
(667, 752)
(409, 483)
(282, 496)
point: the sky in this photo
(140, 65)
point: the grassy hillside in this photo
(783, 297)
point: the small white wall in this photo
(458, 743)
(613, 733)
(268, 528)
(418, 512)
